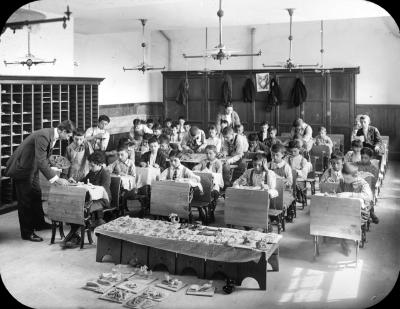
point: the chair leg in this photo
(283, 221)
(89, 235)
(53, 231)
(61, 230)
(82, 236)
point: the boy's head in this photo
(300, 141)
(259, 163)
(356, 145)
(253, 140)
(337, 161)
(239, 129)
(224, 124)
(79, 136)
(157, 129)
(164, 141)
(186, 126)
(146, 138)
(65, 129)
(136, 122)
(294, 147)
(150, 123)
(228, 134)
(181, 120)
(175, 158)
(322, 131)
(272, 131)
(366, 155)
(174, 128)
(349, 172)
(365, 121)
(194, 131)
(212, 131)
(264, 127)
(103, 122)
(96, 160)
(123, 153)
(277, 152)
(211, 151)
(228, 109)
(168, 122)
(153, 144)
(298, 123)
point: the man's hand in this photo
(62, 182)
(156, 165)
(376, 148)
(143, 164)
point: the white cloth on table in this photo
(146, 175)
(128, 182)
(272, 192)
(193, 183)
(218, 181)
(95, 192)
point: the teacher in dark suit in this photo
(24, 165)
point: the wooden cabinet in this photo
(330, 99)
(29, 103)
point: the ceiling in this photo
(107, 16)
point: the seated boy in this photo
(177, 170)
(240, 132)
(167, 126)
(144, 146)
(138, 129)
(255, 145)
(98, 176)
(174, 136)
(213, 165)
(195, 141)
(154, 157)
(300, 168)
(323, 139)
(213, 138)
(334, 173)
(224, 124)
(354, 155)
(157, 130)
(150, 124)
(353, 185)
(272, 140)
(123, 166)
(233, 147)
(263, 134)
(279, 165)
(164, 145)
(77, 153)
(365, 164)
(181, 128)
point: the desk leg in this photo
(108, 246)
(256, 270)
(316, 249)
(53, 231)
(186, 262)
(82, 236)
(61, 229)
(274, 260)
(161, 257)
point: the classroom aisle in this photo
(43, 275)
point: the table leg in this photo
(53, 231)
(61, 230)
(256, 270)
(108, 246)
(82, 236)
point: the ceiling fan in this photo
(289, 64)
(29, 59)
(220, 52)
(143, 66)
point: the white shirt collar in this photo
(56, 136)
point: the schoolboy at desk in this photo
(177, 170)
(194, 141)
(154, 157)
(272, 140)
(255, 145)
(174, 136)
(224, 123)
(323, 139)
(213, 138)
(263, 133)
(279, 166)
(334, 173)
(239, 129)
(354, 155)
(181, 128)
(164, 145)
(365, 165)
(167, 126)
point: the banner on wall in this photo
(262, 82)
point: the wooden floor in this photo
(44, 276)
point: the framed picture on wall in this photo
(262, 82)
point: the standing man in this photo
(24, 165)
(98, 136)
(229, 115)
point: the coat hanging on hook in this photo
(274, 96)
(298, 94)
(249, 90)
(183, 92)
(227, 89)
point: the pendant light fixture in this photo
(143, 66)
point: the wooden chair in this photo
(115, 205)
(277, 209)
(67, 204)
(338, 141)
(336, 217)
(248, 208)
(320, 154)
(328, 187)
(203, 202)
(385, 157)
(171, 197)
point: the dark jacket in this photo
(183, 92)
(249, 91)
(160, 159)
(32, 155)
(100, 178)
(298, 94)
(227, 89)
(372, 139)
(274, 96)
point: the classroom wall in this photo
(48, 41)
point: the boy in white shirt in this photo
(213, 138)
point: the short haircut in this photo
(174, 125)
(357, 143)
(147, 136)
(227, 130)
(194, 131)
(97, 157)
(163, 138)
(224, 121)
(367, 151)
(212, 127)
(152, 140)
(272, 128)
(181, 117)
(322, 129)
(259, 157)
(149, 120)
(238, 126)
(366, 118)
(157, 126)
(229, 104)
(187, 123)
(104, 118)
(79, 132)
(211, 147)
(337, 155)
(123, 147)
(136, 121)
(253, 137)
(67, 126)
(278, 147)
(264, 123)
(298, 122)
(167, 120)
(349, 169)
(294, 144)
(175, 154)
